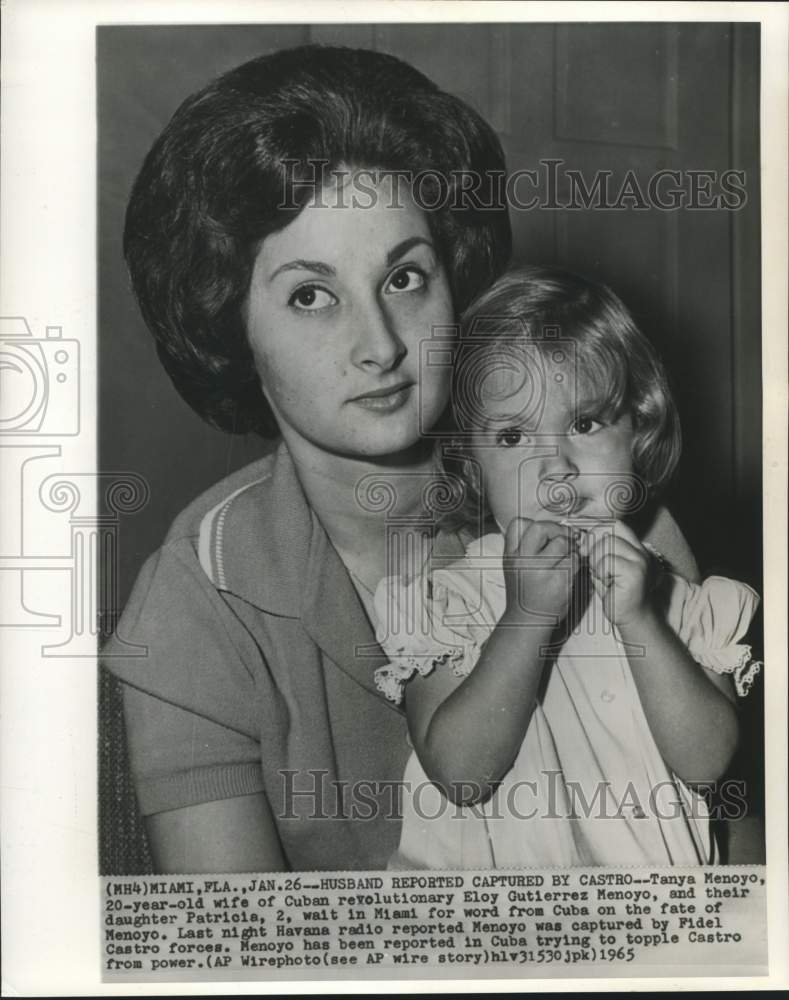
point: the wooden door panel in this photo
(472, 61)
(616, 83)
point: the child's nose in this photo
(557, 490)
(560, 466)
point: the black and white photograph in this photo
(540, 190)
(424, 566)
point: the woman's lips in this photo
(385, 400)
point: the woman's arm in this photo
(226, 836)
(178, 758)
(467, 731)
(689, 708)
(192, 720)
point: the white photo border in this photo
(52, 938)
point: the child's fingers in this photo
(541, 534)
(606, 560)
(557, 549)
(584, 541)
(606, 538)
(598, 545)
(599, 585)
(607, 568)
(573, 561)
(514, 533)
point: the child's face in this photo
(568, 466)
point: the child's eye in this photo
(585, 425)
(511, 437)
(311, 298)
(406, 279)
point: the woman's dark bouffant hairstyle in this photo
(615, 365)
(226, 173)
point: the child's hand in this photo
(621, 570)
(540, 563)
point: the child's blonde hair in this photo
(615, 364)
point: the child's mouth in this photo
(571, 508)
(581, 525)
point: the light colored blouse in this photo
(589, 785)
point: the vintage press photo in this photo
(424, 549)
(244, 640)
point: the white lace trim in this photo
(746, 672)
(709, 618)
(734, 659)
(391, 678)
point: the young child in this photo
(567, 697)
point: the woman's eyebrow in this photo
(402, 248)
(318, 266)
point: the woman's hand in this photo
(540, 564)
(622, 572)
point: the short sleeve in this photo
(440, 617)
(189, 697)
(180, 758)
(711, 618)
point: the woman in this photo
(295, 234)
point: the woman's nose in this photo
(377, 344)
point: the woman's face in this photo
(338, 304)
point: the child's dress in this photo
(589, 785)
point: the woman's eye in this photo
(407, 279)
(311, 298)
(585, 425)
(510, 437)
